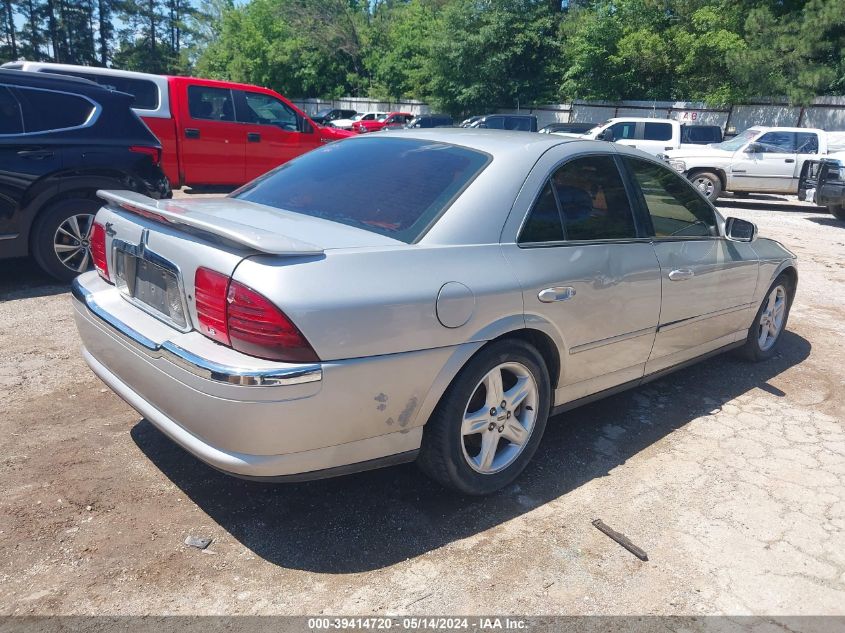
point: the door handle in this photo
(192, 132)
(35, 154)
(253, 137)
(681, 274)
(558, 293)
(789, 160)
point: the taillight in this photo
(97, 242)
(210, 289)
(238, 316)
(152, 152)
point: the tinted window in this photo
(806, 143)
(624, 130)
(701, 134)
(521, 124)
(266, 110)
(11, 120)
(777, 142)
(593, 201)
(48, 110)
(676, 209)
(543, 223)
(657, 132)
(144, 91)
(392, 186)
(210, 103)
(494, 122)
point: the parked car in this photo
(514, 122)
(346, 124)
(823, 183)
(391, 119)
(326, 116)
(654, 136)
(470, 285)
(430, 120)
(211, 132)
(567, 128)
(758, 160)
(62, 139)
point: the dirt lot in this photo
(731, 476)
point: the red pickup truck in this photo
(211, 132)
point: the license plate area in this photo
(150, 282)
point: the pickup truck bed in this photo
(823, 183)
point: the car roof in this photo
(494, 142)
(49, 81)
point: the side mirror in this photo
(740, 230)
(754, 148)
(305, 126)
(605, 135)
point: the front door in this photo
(707, 280)
(586, 271)
(211, 140)
(273, 132)
(769, 166)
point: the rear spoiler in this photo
(170, 212)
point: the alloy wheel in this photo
(772, 318)
(71, 242)
(705, 185)
(499, 418)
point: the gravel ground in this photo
(731, 476)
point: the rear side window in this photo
(701, 134)
(144, 91)
(588, 197)
(46, 110)
(391, 186)
(657, 132)
(214, 104)
(11, 119)
(676, 209)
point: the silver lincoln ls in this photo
(429, 295)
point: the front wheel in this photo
(707, 183)
(770, 322)
(489, 422)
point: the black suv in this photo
(323, 117)
(62, 139)
(517, 122)
(430, 120)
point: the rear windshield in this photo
(395, 187)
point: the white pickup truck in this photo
(654, 136)
(758, 160)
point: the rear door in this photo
(273, 132)
(707, 280)
(586, 269)
(768, 166)
(212, 142)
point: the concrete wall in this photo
(827, 113)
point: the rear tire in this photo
(472, 443)
(60, 235)
(769, 324)
(707, 183)
(838, 211)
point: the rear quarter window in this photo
(46, 110)
(11, 119)
(394, 187)
(146, 92)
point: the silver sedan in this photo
(424, 295)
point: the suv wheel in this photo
(60, 237)
(489, 422)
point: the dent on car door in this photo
(708, 281)
(586, 276)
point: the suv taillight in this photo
(152, 152)
(97, 242)
(235, 315)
